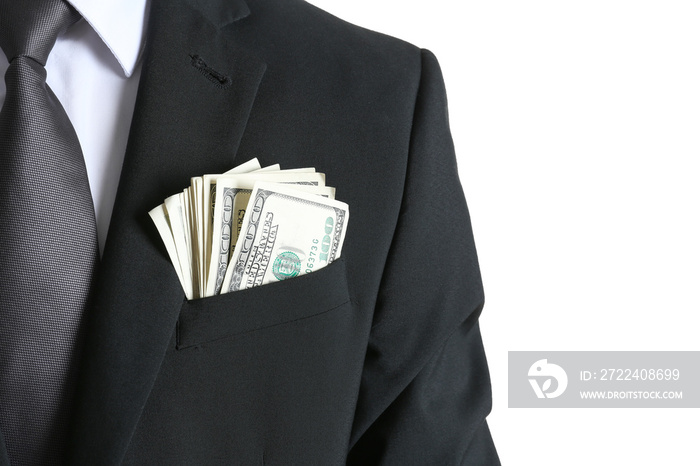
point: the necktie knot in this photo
(30, 27)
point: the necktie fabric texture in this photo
(48, 239)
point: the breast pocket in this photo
(219, 317)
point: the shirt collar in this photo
(121, 24)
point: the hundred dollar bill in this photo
(183, 233)
(208, 191)
(231, 199)
(209, 200)
(194, 194)
(185, 221)
(209, 187)
(249, 166)
(324, 191)
(285, 233)
(190, 241)
(195, 221)
(160, 217)
(175, 213)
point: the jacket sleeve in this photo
(425, 389)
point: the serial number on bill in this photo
(614, 374)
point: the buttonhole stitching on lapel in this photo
(221, 80)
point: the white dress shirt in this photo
(94, 71)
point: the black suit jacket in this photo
(375, 359)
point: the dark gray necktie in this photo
(48, 241)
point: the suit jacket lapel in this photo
(195, 95)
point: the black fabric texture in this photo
(375, 360)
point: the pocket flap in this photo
(208, 319)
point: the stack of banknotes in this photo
(250, 226)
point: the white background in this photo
(577, 127)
